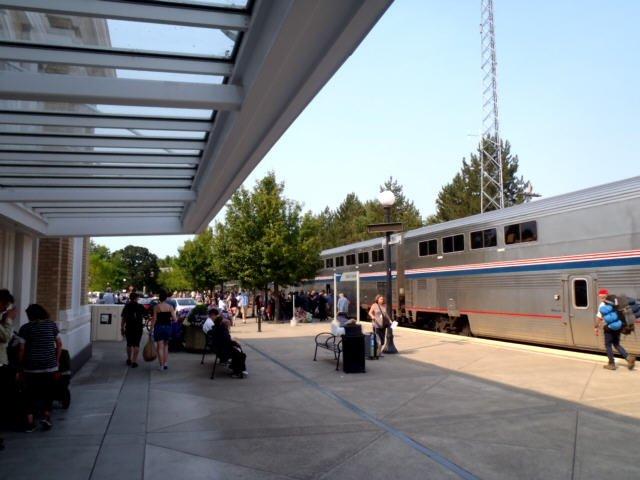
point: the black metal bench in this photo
(328, 341)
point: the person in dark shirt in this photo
(227, 348)
(131, 329)
(40, 349)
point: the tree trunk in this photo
(276, 303)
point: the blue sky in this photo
(407, 103)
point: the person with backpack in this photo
(612, 324)
(132, 324)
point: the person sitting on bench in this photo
(227, 348)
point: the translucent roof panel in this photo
(97, 109)
(110, 132)
(79, 70)
(66, 30)
(233, 4)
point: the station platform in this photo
(444, 407)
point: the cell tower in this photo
(491, 185)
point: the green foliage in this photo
(265, 237)
(461, 197)
(139, 265)
(104, 270)
(349, 222)
(172, 277)
(197, 263)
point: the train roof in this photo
(628, 188)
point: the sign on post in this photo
(346, 277)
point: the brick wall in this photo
(85, 272)
(55, 274)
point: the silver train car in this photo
(528, 273)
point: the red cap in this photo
(603, 291)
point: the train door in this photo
(582, 309)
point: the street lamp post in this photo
(387, 199)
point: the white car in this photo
(185, 305)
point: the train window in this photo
(351, 259)
(521, 232)
(484, 238)
(428, 247)
(580, 293)
(363, 257)
(490, 237)
(339, 261)
(328, 263)
(529, 231)
(454, 243)
(377, 255)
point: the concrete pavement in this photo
(445, 407)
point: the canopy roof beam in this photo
(113, 226)
(107, 58)
(128, 172)
(118, 91)
(161, 195)
(93, 121)
(96, 141)
(137, 12)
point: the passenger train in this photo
(529, 272)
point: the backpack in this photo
(611, 317)
(627, 309)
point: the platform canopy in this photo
(143, 117)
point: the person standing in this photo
(163, 315)
(39, 357)
(131, 328)
(379, 320)
(343, 309)
(7, 373)
(609, 320)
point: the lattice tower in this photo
(491, 183)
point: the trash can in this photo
(353, 353)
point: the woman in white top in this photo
(379, 319)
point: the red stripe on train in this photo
(487, 312)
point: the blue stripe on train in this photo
(615, 262)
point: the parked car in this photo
(185, 305)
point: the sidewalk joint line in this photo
(432, 454)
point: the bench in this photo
(328, 341)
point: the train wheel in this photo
(465, 330)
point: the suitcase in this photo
(353, 354)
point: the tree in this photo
(196, 259)
(172, 277)
(461, 197)
(266, 239)
(104, 270)
(349, 222)
(140, 267)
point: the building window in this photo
(377, 255)
(580, 293)
(520, 233)
(328, 263)
(454, 243)
(484, 238)
(428, 247)
(351, 259)
(363, 257)
(339, 261)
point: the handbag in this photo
(386, 321)
(149, 352)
